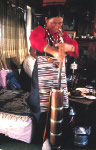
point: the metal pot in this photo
(81, 135)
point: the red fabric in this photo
(38, 40)
(68, 40)
(53, 4)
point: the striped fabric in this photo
(48, 78)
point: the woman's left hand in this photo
(66, 47)
(63, 48)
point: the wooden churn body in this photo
(56, 117)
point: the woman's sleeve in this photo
(69, 40)
(37, 38)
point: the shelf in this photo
(85, 40)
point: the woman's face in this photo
(54, 24)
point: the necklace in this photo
(50, 38)
(49, 59)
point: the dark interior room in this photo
(18, 127)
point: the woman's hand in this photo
(63, 48)
(59, 53)
(66, 47)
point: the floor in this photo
(11, 144)
(7, 143)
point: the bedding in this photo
(14, 101)
(15, 115)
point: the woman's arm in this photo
(73, 43)
(37, 38)
(39, 42)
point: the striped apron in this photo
(48, 79)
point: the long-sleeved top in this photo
(38, 40)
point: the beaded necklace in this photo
(50, 38)
(52, 41)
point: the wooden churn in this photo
(55, 111)
(56, 117)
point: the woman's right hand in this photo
(57, 53)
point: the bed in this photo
(15, 115)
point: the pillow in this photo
(28, 65)
(3, 74)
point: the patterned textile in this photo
(16, 126)
(48, 78)
(15, 115)
(12, 101)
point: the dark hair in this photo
(54, 11)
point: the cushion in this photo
(28, 65)
(3, 74)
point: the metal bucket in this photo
(56, 118)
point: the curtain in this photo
(13, 41)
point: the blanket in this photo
(15, 102)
